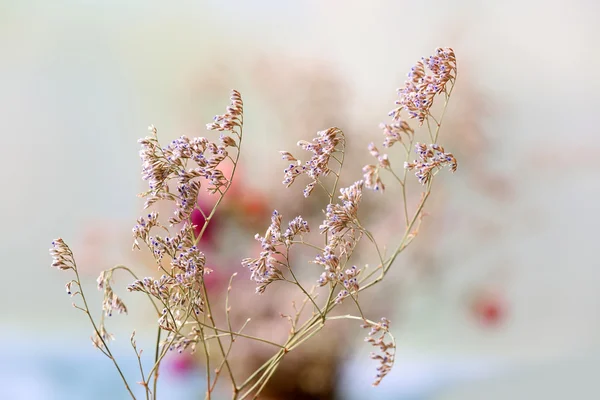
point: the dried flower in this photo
(62, 257)
(431, 158)
(233, 116)
(371, 172)
(103, 337)
(265, 269)
(387, 350)
(111, 302)
(393, 132)
(416, 97)
(187, 162)
(339, 216)
(323, 147)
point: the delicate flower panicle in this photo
(170, 245)
(189, 161)
(431, 158)
(296, 226)
(339, 216)
(416, 97)
(183, 342)
(62, 257)
(142, 229)
(178, 293)
(348, 279)
(233, 116)
(387, 349)
(104, 337)
(322, 147)
(111, 302)
(393, 131)
(186, 162)
(174, 162)
(264, 269)
(158, 288)
(341, 223)
(191, 263)
(371, 172)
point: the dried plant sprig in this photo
(62, 258)
(431, 159)
(266, 269)
(395, 130)
(323, 147)
(387, 349)
(427, 79)
(232, 119)
(371, 171)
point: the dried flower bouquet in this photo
(177, 172)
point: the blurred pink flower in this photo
(180, 365)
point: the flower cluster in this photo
(371, 171)
(393, 131)
(188, 161)
(187, 271)
(168, 245)
(62, 257)
(376, 337)
(99, 339)
(185, 161)
(341, 226)
(338, 217)
(427, 79)
(181, 295)
(111, 302)
(431, 158)
(323, 147)
(232, 119)
(265, 268)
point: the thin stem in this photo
(307, 244)
(156, 351)
(168, 345)
(439, 124)
(207, 356)
(138, 355)
(124, 268)
(429, 130)
(235, 388)
(236, 334)
(214, 209)
(300, 286)
(267, 374)
(219, 342)
(87, 311)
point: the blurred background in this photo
(497, 299)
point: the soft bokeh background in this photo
(509, 305)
